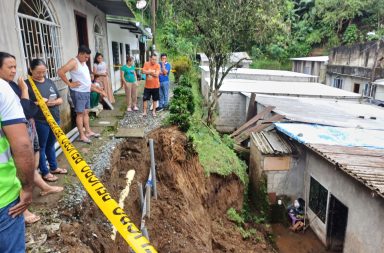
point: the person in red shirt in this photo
(152, 84)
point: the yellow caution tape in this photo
(94, 187)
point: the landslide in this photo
(188, 216)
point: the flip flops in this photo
(93, 135)
(59, 171)
(87, 141)
(50, 178)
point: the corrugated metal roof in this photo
(270, 143)
(326, 111)
(284, 88)
(363, 164)
(312, 58)
(262, 72)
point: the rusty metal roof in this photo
(363, 164)
(271, 143)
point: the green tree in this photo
(225, 26)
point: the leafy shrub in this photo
(351, 34)
(181, 107)
(185, 81)
(181, 65)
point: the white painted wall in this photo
(64, 13)
(115, 33)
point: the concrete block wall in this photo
(365, 223)
(231, 110)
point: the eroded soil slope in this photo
(188, 216)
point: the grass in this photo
(214, 155)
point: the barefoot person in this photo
(152, 84)
(100, 69)
(80, 89)
(129, 81)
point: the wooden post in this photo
(251, 107)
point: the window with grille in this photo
(318, 197)
(39, 35)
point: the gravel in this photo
(101, 158)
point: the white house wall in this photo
(64, 13)
(365, 223)
(124, 36)
(348, 82)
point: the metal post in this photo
(153, 168)
(141, 195)
(148, 201)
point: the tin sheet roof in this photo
(363, 164)
(263, 72)
(329, 112)
(271, 143)
(305, 89)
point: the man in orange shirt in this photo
(152, 84)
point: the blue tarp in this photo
(319, 134)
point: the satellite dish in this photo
(141, 4)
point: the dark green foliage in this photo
(351, 35)
(182, 105)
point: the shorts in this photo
(154, 93)
(81, 100)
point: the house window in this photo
(370, 90)
(99, 36)
(338, 83)
(115, 55)
(39, 35)
(318, 197)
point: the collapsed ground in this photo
(189, 215)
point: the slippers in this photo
(50, 178)
(135, 108)
(88, 141)
(93, 135)
(129, 109)
(32, 218)
(144, 115)
(59, 171)
(55, 189)
(154, 115)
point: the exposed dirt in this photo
(188, 216)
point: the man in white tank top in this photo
(80, 89)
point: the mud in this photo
(188, 216)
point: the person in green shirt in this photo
(129, 81)
(16, 167)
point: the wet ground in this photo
(297, 242)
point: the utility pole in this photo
(153, 14)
